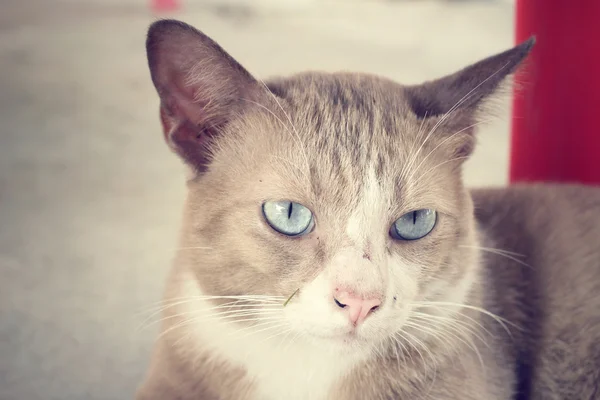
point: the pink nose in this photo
(358, 308)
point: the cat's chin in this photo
(341, 342)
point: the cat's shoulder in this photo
(535, 196)
(528, 209)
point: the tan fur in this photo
(354, 149)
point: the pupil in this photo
(290, 211)
(414, 217)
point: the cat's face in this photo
(318, 206)
(342, 191)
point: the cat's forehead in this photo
(355, 128)
(343, 107)
(347, 117)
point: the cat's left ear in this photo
(458, 97)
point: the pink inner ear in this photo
(166, 122)
(185, 138)
(206, 102)
(192, 113)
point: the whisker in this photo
(284, 332)
(270, 112)
(443, 163)
(257, 299)
(288, 337)
(435, 333)
(451, 320)
(231, 315)
(300, 170)
(455, 325)
(422, 344)
(292, 340)
(502, 321)
(261, 319)
(254, 326)
(185, 322)
(284, 339)
(410, 343)
(512, 253)
(468, 344)
(193, 248)
(298, 140)
(165, 307)
(523, 263)
(502, 253)
(296, 136)
(378, 352)
(444, 141)
(250, 332)
(402, 351)
(227, 297)
(277, 335)
(453, 108)
(233, 304)
(408, 165)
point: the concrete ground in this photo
(89, 194)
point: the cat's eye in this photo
(288, 218)
(414, 225)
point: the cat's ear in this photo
(201, 88)
(458, 98)
(469, 87)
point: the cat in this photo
(330, 249)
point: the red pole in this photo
(162, 6)
(556, 109)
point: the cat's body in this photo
(553, 291)
(427, 308)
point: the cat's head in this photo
(342, 189)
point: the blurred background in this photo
(90, 196)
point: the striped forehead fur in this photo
(349, 123)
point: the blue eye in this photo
(288, 218)
(414, 225)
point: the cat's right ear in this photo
(201, 88)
